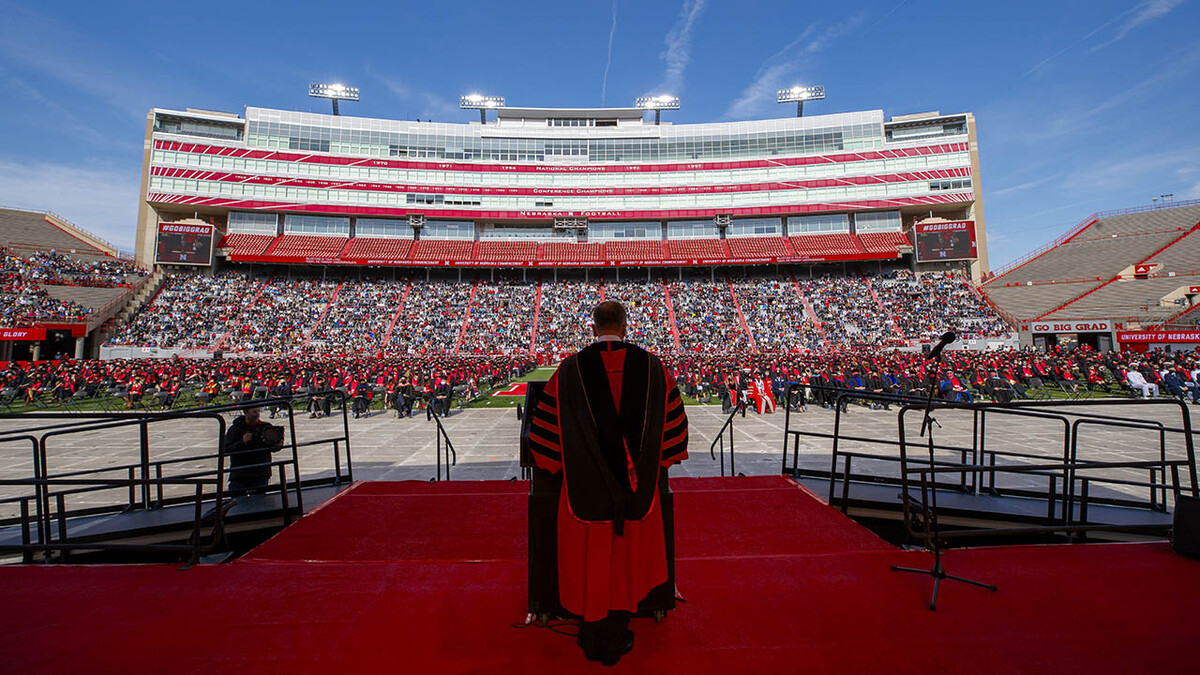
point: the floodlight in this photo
(657, 104)
(333, 92)
(481, 103)
(799, 95)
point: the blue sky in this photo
(1082, 105)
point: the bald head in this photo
(609, 319)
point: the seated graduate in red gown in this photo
(611, 418)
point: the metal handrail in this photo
(720, 439)
(45, 542)
(440, 435)
(920, 512)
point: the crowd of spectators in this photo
(922, 308)
(646, 307)
(565, 315)
(359, 317)
(438, 316)
(501, 318)
(54, 268)
(847, 311)
(706, 317)
(775, 314)
(190, 311)
(432, 318)
(23, 303)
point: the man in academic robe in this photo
(610, 419)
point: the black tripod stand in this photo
(920, 515)
(932, 536)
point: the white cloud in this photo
(1143, 13)
(102, 201)
(1021, 187)
(43, 45)
(678, 49)
(429, 106)
(1122, 174)
(781, 69)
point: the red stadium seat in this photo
(246, 244)
(364, 248)
(708, 249)
(826, 245)
(563, 251)
(759, 247)
(884, 242)
(506, 251)
(634, 250)
(442, 249)
(307, 245)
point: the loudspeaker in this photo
(1185, 535)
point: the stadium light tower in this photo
(657, 104)
(480, 102)
(333, 92)
(799, 95)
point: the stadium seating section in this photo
(48, 275)
(246, 244)
(505, 251)
(1090, 275)
(826, 245)
(495, 313)
(500, 252)
(707, 249)
(634, 250)
(442, 249)
(884, 242)
(560, 251)
(759, 247)
(367, 248)
(26, 232)
(307, 245)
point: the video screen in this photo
(184, 244)
(945, 241)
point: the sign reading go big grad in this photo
(1071, 327)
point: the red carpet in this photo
(428, 578)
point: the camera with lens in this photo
(266, 435)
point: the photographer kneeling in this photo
(249, 444)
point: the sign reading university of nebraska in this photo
(1159, 336)
(1072, 327)
(1145, 269)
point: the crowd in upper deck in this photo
(288, 315)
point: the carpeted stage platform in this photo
(419, 577)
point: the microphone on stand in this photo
(947, 338)
(934, 355)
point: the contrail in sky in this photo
(611, 32)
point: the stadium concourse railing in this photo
(49, 528)
(1075, 485)
(1079, 227)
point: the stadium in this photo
(817, 288)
